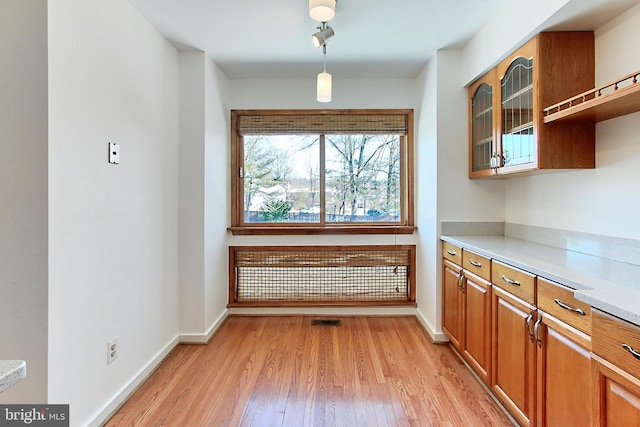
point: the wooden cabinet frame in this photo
(563, 65)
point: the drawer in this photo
(452, 253)
(615, 340)
(476, 264)
(513, 280)
(558, 301)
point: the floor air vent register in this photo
(326, 322)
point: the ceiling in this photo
(373, 38)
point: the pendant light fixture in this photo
(323, 84)
(324, 34)
(322, 10)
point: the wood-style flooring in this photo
(284, 371)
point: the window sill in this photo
(333, 229)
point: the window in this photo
(322, 171)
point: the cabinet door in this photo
(563, 368)
(452, 303)
(477, 324)
(517, 143)
(617, 402)
(483, 109)
(513, 354)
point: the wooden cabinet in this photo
(467, 309)
(483, 119)
(549, 68)
(564, 394)
(513, 355)
(476, 344)
(452, 302)
(616, 367)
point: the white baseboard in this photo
(122, 396)
(437, 337)
(192, 338)
(324, 311)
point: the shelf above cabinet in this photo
(615, 99)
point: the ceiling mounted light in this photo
(323, 35)
(323, 83)
(322, 10)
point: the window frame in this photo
(406, 224)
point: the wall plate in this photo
(114, 153)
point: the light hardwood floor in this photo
(283, 371)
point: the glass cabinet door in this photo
(517, 139)
(482, 143)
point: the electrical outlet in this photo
(112, 350)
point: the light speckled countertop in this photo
(610, 286)
(11, 371)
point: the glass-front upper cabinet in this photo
(517, 118)
(482, 126)
(517, 114)
(507, 132)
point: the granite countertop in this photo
(610, 286)
(11, 371)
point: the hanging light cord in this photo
(324, 58)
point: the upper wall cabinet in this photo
(507, 130)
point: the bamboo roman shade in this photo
(321, 122)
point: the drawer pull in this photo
(630, 349)
(568, 307)
(475, 263)
(510, 281)
(450, 252)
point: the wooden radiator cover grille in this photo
(321, 275)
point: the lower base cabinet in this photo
(477, 325)
(549, 358)
(617, 396)
(563, 366)
(513, 356)
(616, 371)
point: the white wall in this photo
(192, 193)
(217, 189)
(426, 200)
(447, 194)
(23, 194)
(113, 228)
(204, 195)
(603, 200)
(301, 93)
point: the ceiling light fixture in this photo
(322, 10)
(321, 37)
(323, 89)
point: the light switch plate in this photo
(114, 153)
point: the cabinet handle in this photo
(528, 325)
(536, 331)
(450, 252)
(510, 281)
(568, 307)
(475, 263)
(460, 281)
(630, 349)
